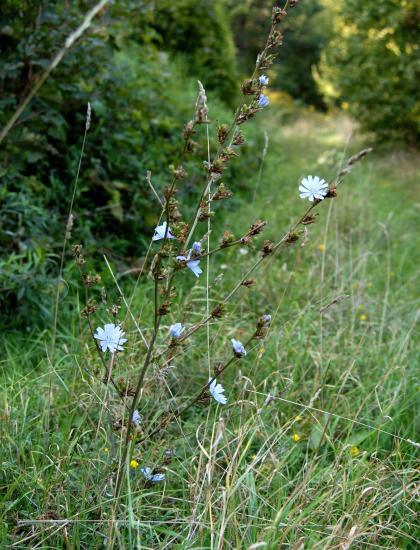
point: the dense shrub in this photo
(199, 30)
(372, 65)
(140, 100)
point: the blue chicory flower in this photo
(176, 330)
(263, 101)
(196, 247)
(136, 418)
(147, 472)
(264, 80)
(194, 265)
(160, 232)
(238, 348)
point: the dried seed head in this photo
(278, 14)
(201, 109)
(88, 117)
(179, 173)
(191, 146)
(275, 39)
(238, 138)
(247, 112)
(307, 220)
(91, 280)
(353, 160)
(69, 226)
(332, 192)
(267, 248)
(76, 249)
(291, 238)
(246, 240)
(248, 283)
(205, 212)
(164, 308)
(221, 193)
(89, 309)
(249, 87)
(256, 227)
(218, 165)
(227, 238)
(189, 130)
(182, 231)
(222, 132)
(218, 311)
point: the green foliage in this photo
(199, 30)
(372, 65)
(139, 107)
(306, 32)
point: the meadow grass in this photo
(312, 449)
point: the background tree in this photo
(306, 33)
(372, 65)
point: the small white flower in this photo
(218, 392)
(313, 188)
(238, 348)
(243, 251)
(147, 472)
(176, 330)
(136, 418)
(110, 337)
(160, 231)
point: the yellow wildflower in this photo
(363, 317)
(321, 247)
(296, 437)
(134, 464)
(354, 451)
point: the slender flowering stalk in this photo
(164, 268)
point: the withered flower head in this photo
(227, 238)
(250, 87)
(267, 247)
(218, 311)
(257, 227)
(222, 132)
(238, 138)
(221, 192)
(278, 14)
